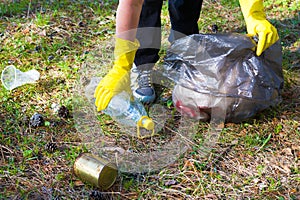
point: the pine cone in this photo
(50, 147)
(63, 112)
(214, 28)
(96, 195)
(36, 120)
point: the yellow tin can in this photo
(95, 170)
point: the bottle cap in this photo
(146, 122)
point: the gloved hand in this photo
(117, 79)
(257, 25)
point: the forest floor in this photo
(256, 159)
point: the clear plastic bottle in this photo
(129, 112)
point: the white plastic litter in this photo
(12, 77)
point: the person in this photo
(134, 54)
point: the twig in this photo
(218, 158)
(29, 5)
(168, 190)
(4, 147)
(2, 155)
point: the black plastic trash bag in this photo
(222, 70)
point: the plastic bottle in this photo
(129, 112)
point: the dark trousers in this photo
(184, 15)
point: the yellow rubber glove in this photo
(117, 79)
(257, 25)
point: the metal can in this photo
(95, 170)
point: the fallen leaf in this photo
(286, 168)
(211, 196)
(78, 183)
(188, 163)
(170, 182)
(25, 31)
(287, 151)
(42, 33)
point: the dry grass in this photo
(256, 159)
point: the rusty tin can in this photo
(95, 170)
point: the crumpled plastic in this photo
(221, 71)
